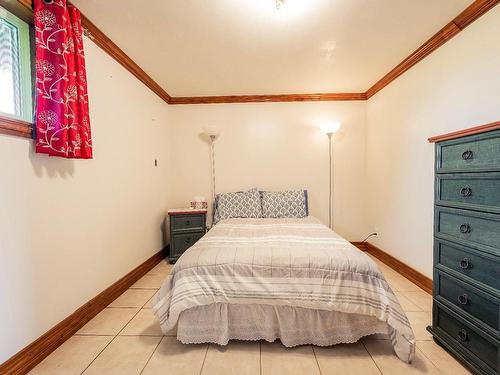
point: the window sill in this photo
(15, 127)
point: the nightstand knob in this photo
(187, 240)
(188, 223)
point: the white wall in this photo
(454, 88)
(274, 146)
(69, 229)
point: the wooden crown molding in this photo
(15, 127)
(469, 131)
(267, 98)
(464, 19)
(33, 354)
(101, 40)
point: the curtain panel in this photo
(62, 121)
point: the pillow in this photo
(288, 203)
(239, 204)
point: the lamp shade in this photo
(211, 131)
(330, 127)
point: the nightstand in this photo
(186, 227)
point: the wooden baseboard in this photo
(410, 273)
(360, 245)
(25, 360)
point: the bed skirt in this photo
(220, 322)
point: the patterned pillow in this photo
(239, 204)
(288, 203)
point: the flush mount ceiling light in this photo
(280, 3)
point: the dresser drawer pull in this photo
(463, 335)
(466, 191)
(187, 240)
(463, 299)
(465, 228)
(466, 155)
(465, 264)
(188, 223)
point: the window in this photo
(15, 68)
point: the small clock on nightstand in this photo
(186, 227)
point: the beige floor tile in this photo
(443, 360)
(376, 336)
(419, 320)
(162, 268)
(149, 282)
(73, 356)
(277, 359)
(387, 361)
(238, 357)
(353, 359)
(421, 299)
(149, 304)
(174, 358)
(125, 355)
(108, 322)
(144, 323)
(405, 303)
(402, 284)
(133, 298)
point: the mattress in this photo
(278, 264)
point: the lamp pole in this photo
(212, 162)
(330, 191)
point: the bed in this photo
(290, 279)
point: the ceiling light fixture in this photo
(280, 3)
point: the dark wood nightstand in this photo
(186, 227)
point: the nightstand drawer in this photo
(187, 222)
(478, 304)
(471, 340)
(182, 242)
(475, 191)
(470, 228)
(480, 267)
(469, 154)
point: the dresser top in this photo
(462, 133)
(185, 211)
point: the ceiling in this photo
(248, 47)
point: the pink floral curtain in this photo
(62, 111)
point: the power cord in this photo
(370, 235)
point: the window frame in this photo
(21, 125)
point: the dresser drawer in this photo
(468, 299)
(470, 228)
(467, 337)
(187, 222)
(182, 242)
(474, 153)
(476, 191)
(476, 265)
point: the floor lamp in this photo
(330, 129)
(212, 133)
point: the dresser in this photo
(466, 291)
(186, 227)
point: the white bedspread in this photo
(282, 262)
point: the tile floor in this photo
(126, 339)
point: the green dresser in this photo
(466, 310)
(186, 227)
